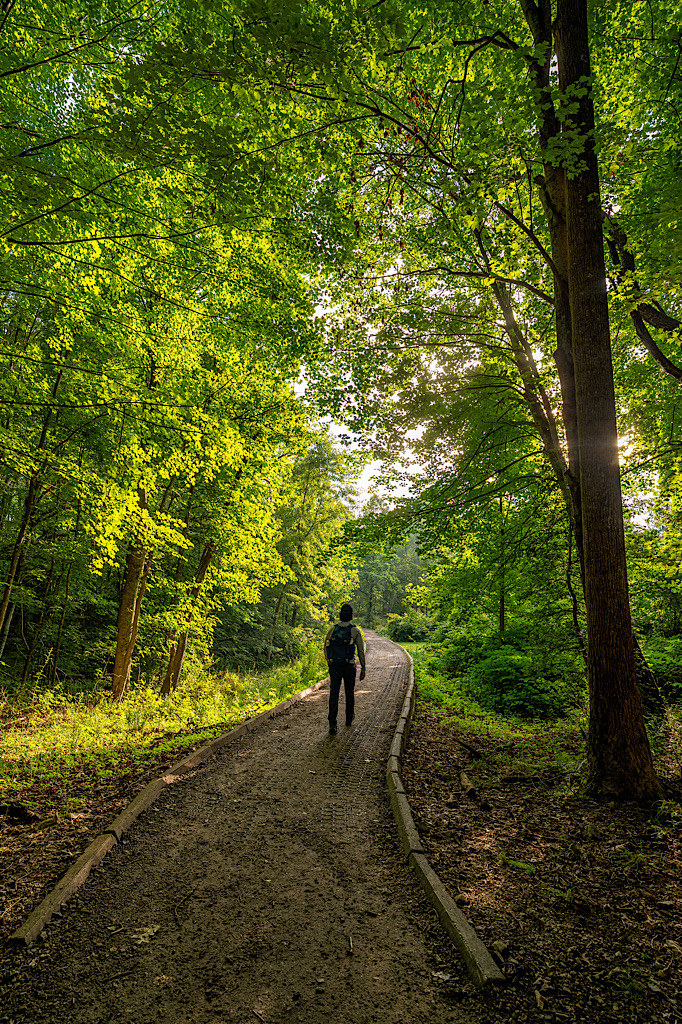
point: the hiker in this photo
(339, 649)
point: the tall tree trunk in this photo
(502, 569)
(29, 504)
(279, 604)
(175, 659)
(38, 626)
(58, 641)
(619, 758)
(552, 193)
(5, 628)
(128, 617)
(18, 548)
(179, 647)
(138, 562)
(60, 629)
(574, 599)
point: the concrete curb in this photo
(99, 847)
(72, 880)
(482, 968)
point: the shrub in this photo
(507, 681)
(412, 627)
(256, 646)
(664, 655)
(518, 673)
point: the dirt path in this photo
(251, 880)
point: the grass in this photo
(414, 648)
(54, 743)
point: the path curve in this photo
(266, 885)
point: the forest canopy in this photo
(452, 230)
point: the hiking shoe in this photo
(332, 730)
(348, 724)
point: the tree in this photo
(619, 757)
(411, 128)
(147, 346)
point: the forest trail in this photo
(267, 885)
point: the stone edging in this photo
(99, 847)
(480, 964)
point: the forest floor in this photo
(269, 885)
(581, 901)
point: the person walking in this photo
(340, 644)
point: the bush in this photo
(518, 673)
(508, 682)
(253, 645)
(412, 627)
(664, 656)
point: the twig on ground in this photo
(467, 786)
(121, 974)
(474, 751)
(183, 900)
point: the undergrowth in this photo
(51, 738)
(526, 744)
(521, 743)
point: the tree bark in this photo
(60, 630)
(574, 599)
(29, 503)
(552, 193)
(18, 549)
(128, 618)
(178, 648)
(619, 758)
(38, 626)
(502, 622)
(5, 629)
(176, 658)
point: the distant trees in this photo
(317, 568)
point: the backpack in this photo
(340, 647)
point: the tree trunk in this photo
(18, 549)
(175, 659)
(29, 504)
(5, 629)
(177, 652)
(574, 599)
(37, 626)
(552, 193)
(128, 618)
(58, 641)
(279, 605)
(619, 758)
(502, 579)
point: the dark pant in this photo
(337, 672)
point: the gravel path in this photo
(267, 885)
